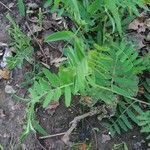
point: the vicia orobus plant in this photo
(105, 73)
(95, 15)
(99, 64)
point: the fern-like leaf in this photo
(127, 113)
(144, 122)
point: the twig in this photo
(50, 136)
(6, 6)
(97, 110)
(39, 143)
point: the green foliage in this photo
(51, 87)
(144, 118)
(147, 89)
(146, 62)
(127, 112)
(88, 13)
(114, 68)
(98, 66)
(111, 67)
(21, 7)
(102, 73)
(144, 122)
(21, 44)
(32, 124)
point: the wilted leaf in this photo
(5, 74)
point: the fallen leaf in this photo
(136, 39)
(141, 90)
(137, 25)
(82, 146)
(87, 100)
(53, 105)
(58, 61)
(5, 74)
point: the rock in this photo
(105, 138)
(9, 89)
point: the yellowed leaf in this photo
(5, 74)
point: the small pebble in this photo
(105, 138)
(9, 89)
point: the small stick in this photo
(6, 6)
(50, 136)
(96, 110)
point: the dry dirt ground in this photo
(12, 113)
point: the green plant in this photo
(144, 118)
(127, 112)
(144, 122)
(95, 13)
(21, 7)
(102, 73)
(98, 66)
(21, 44)
(147, 89)
(1, 147)
(129, 109)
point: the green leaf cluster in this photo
(91, 12)
(144, 122)
(98, 66)
(21, 44)
(127, 111)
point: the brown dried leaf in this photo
(138, 25)
(87, 100)
(141, 90)
(53, 105)
(82, 146)
(5, 74)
